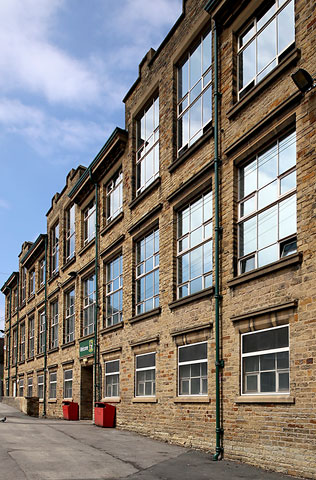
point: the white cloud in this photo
(4, 204)
(29, 61)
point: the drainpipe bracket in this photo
(218, 296)
(220, 364)
(218, 94)
(218, 229)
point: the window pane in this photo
(195, 66)
(251, 364)
(266, 340)
(248, 179)
(266, 45)
(267, 362)
(183, 80)
(248, 237)
(267, 380)
(268, 255)
(251, 383)
(283, 360)
(196, 285)
(268, 194)
(287, 213)
(267, 227)
(195, 386)
(207, 106)
(288, 182)
(195, 117)
(193, 352)
(287, 153)
(143, 361)
(286, 33)
(196, 262)
(284, 382)
(207, 52)
(267, 166)
(183, 268)
(247, 65)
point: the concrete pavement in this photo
(51, 449)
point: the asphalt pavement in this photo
(52, 449)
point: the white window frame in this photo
(282, 241)
(23, 285)
(147, 149)
(55, 249)
(41, 332)
(22, 342)
(152, 382)
(193, 362)
(32, 283)
(254, 37)
(142, 275)
(259, 353)
(114, 287)
(41, 278)
(114, 196)
(89, 215)
(195, 93)
(54, 324)
(184, 247)
(70, 316)
(29, 386)
(31, 337)
(110, 376)
(70, 232)
(66, 382)
(15, 347)
(40, 386)
(52, 382)
(21, 387)
(89, 298)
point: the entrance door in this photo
(86, 392)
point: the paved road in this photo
(46, 449)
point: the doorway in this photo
(86, 392)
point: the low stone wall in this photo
(27, 405)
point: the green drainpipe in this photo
(9, 343)
(218, 363)
(45, 332)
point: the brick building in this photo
(176, 277)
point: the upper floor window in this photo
(54, 325)
(194, 243)
(265, 361)
(262, 43)
(22, 342)
(41, 278)
(54, 249)
(194, 92)
(31, 331)
(70, 316)
(32, 283)
(89, 222)
(114, 197)
(41, 332)
(267, 206)
(23, 284)
(147, 273)
(88, 305)
(114, 291)
(193, 369)
(147, 155)
(70, 232)
(15, 347)
(15, 299)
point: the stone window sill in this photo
(111, 399)
(52, 401)
(192, 298)
(68, 263)
(155, 184)
(193, 399)
(86, 337)
(144, 316)
(40, 355)
(86, 247)
(265, 399)
(187, 153)
(145, 400)
(111, 224)
(285, 262)
(290, 59)
(66, 345)
(112, 328)
(52, 350)
(40, 289)
(53, 277)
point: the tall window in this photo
(31, 331)
(23, 284)
(89, 222)
(40, 387)
(195, 92)
(53, 385)
(67, 383)
(265, 361)
(145, 375)
(70, 232)
(147, 155)
(41, 332)
(29, 386)
(193, 369)
(114, 291)
(112, 378)
(22, 342)
(15, 299)
(147, 273)
(88, 305)
(195, 246)
(32, 283)
(264, 40)
(70, 316)
(267, 205)
(21, 387)
(41, 279)
(114, 196)
(54, 325)
(15, 347)
(55, 249)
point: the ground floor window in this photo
(53, 385)
(40, 387)
(193, 369)
(112, 378)
(265, 361)
(21, 387)
(68, 384)
(145, 375)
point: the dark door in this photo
(86, 393)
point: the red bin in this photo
(71, 410)
(104, 415)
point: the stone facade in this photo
(267, 412)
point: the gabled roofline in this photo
(6, 285)
(35, 245)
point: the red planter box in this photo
(71, 411)
(104, 415)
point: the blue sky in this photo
(65, 66)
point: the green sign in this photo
(86, 347)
